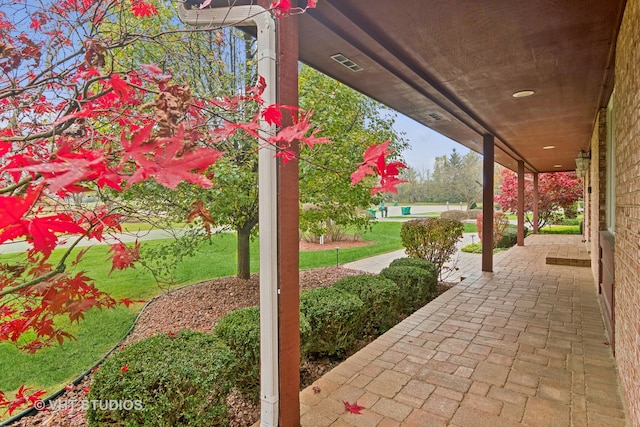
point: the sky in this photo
(424, 144)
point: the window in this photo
(611, 167)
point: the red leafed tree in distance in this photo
(73, 120)
(555, 190)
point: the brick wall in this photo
(627, 249)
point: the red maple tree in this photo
(555, 191)
(72, 120)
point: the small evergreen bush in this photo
(180, 380)
(335, 318)
(416, 284)
(240, 331)
(431, 239)
(380, 296)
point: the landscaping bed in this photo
(197, 307)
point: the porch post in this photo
(520, 203)
(536, 202)
(487, 202)
(288, 232)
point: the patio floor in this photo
(524, 345)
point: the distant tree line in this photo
(455, 179)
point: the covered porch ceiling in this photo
(455, 65)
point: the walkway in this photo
(524, 345)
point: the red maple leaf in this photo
(120, 87)
(123, 257)
(375, 163)
(169, 165)
(22, 398)
(273, 115)
(354, 408)
(127, 302)
(40, 231)
(281, 6)
(143, 9)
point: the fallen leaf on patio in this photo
(316, 389)
(354, 408)
(606, 343)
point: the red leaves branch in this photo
(375, 163)
(22, 398)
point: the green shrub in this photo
(180, 380)
(571, 221)
(432, 239)
(240, 331)
(472, 248)
(473, 213)
(454, 214)
(335, 319)
(417, 286)
(510, 237)
(380, 296)
(413, 262)
(560, 229)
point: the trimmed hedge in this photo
(417, 285)
(180, 380)
(335, 318)
(413, 262)
(240, 331)
(380, 296)
(455, 214)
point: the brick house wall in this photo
(627, 234)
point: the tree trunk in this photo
(244, 251)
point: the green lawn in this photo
(50, 369)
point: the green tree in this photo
(352, 122)
(417, 187)
(214, 63)
(458, 178)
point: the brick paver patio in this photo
(524, 345)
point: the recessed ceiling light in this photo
(557, 166)
(548, 147)
(522, 93)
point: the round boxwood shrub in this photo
(335, 319)
(380, 296)
(240, 331)
(413, 262)
(417, 285)
(178, 380)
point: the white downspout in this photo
(267, 198)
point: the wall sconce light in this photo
(582, 163)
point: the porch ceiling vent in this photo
(341, 59)
(435, 117)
